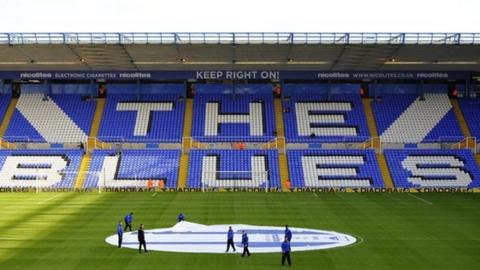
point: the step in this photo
(97, 118)
(183, 171)
(8, 116)
(83, 171)
(282, 161)
(387, 178)
(367, 107)
(460, 118)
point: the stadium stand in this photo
(334, 168)
(471, 113)
(324, 118)
(132, 168)
(56, 118)
(233, 168)
(227, 117)
(4, 101)
(420, 168)
(148, 118)
(407, 118)
(39, 168)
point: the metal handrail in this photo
(240, 38)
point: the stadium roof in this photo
(275, 51)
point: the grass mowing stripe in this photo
(418, 198)
(51, 198)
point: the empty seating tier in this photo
(471, 113)
(334, 168)
(53, 119)
(148, 118)
(227, 117)
(39, 168)
(412, 119)
(420, 168)
(132, 168)
(233, 168)
(322, 118)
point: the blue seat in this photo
(403, 177)
(233, 105)
(233, 165)
(339, 160)
(138, 165)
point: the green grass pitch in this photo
(396, 231)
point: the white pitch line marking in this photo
(51, 198)
(315, 194)
(418, 198)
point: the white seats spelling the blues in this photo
(419, 168)
(152, 117)
(330, 118)
(233, 168)
(224, 117)
(39, 168)
(305, 119)
(56, 119)
(131, 168)
(399, 119)
(333, 168)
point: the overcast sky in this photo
(239, 16)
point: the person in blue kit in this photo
(286, 252)
(120, 233)
(245, 244)
(128, 221)
(230, 239)
(181, 217)
(141, 240)
(288, 234)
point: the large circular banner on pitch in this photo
(198, 238)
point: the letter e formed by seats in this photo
(326, 121)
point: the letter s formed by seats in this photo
(436, 171)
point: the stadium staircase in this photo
(91, 144)
(186, 143)
(461, 120)
(6, 122)
(367, 107)
(372, 128)
(282, 158)
(97, 119)
(375, 143)
(382, 163)
(83, 171)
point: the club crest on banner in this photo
(197, 238)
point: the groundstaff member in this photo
(230, 239)
(141, 240)
(288, 234)
(120, 233)
(245, 244)
(286, 252)
(128, 221)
